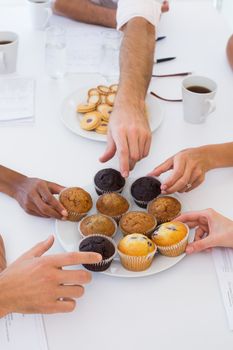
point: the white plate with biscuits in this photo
(69, 237)
(86, 111)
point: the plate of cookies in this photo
(87, 111)
(128, 222)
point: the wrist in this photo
(4, 289)
(208, 154)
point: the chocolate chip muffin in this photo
(102, 245)
(137, 222)
(76, 201)
(113, 205)
(144, 189)
(164, 208)
(108, 180)
(97, 224)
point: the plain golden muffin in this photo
(76, 201)
(97, 224)
(136, 245)
(137, 222)
(112, 204)
(169, 233)
(164, 208)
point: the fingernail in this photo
(125, 174)
(163, 192)
(64, 213)
(189, 250)
(163, 187)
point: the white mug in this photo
(198, 98)
(8, 52)
(40, 12)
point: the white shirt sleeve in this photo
(128, 9)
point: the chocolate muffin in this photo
(144, 189)
(102, 245)
(108, 180)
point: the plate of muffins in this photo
(87, 111)
(128, 222)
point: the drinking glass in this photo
(110, 62)
(55, 52)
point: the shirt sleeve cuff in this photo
(128, 9)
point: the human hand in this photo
(2, 255)
(212, 230)
(129, 136)
(35, 196)
(189, 168)
(38, 284)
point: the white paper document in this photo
(223, 260)
(16, 100)
(24, 332)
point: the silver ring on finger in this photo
(188, 186)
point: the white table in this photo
(180, 308)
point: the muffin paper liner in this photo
(109, 217)
(100, 192)
(175, 249)
(141, 204)
(136, 263)
(170, 218)
(104, 264)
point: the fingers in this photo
(178, 179)
(2, 255)
(110, 150)
(196, 183)
(165, 6)
(51, 200)
(74, 258)
(192, 217)
(70, 292)
(55, 188)
(74, 277)
(44, 208)
(123, 154)
(200, 245)
(162, 168)
(39, 249)
(66, 305)
(147, 146)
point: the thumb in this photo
(39, 249)
(55, 188)
(200, 245)
(110, 150)
(162, 168)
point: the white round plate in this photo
(71, 119)
(69, 237)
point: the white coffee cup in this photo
(8, 52)
(198, 98)
(40, 12)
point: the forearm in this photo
(230, 51)
(9, 180)
(87, 12)
(219, 156)
(136, 61)
(3, 298)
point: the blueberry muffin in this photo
(136, 252)
(137, 222)
(98, 223)
(76, 201)
(171, 238)
(108, 180)
(144, 189)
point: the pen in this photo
(160, 38)
(160, 60)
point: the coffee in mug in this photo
(198, 98)
(8, 52)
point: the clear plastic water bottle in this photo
(55, 52)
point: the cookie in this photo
(114, 88)
(103, 89)
(103, 98)
(102, 128)
(93, 91)
(91, 121)
(94, 99)
(86, 108)
(105, 110)
(110, 99)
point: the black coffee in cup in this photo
(199, 89)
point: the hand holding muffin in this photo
(212, 230)
(190, 166)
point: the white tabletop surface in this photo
(180, 308)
